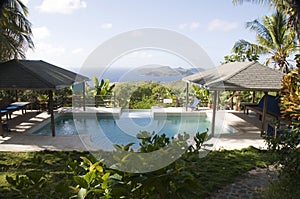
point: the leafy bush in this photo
(173, 181)
(37, 183)
(285, 146)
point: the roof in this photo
(36, 74)
(248, 76)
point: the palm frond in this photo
(262, 2)
(15, 30)
(259, 29)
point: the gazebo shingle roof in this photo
(36, 74)
(238, 76)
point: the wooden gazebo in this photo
(37, 75)
(237, 76)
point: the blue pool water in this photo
(123, 130)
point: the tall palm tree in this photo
(272, 38)
(15, 30)
(289, 7)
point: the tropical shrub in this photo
(285, 146)
(173, 181)
(36, 183)
(148, 94)
(103, 90)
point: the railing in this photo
(94, 101)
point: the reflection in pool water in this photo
(110, 130)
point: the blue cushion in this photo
(272, 105)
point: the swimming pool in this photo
(108, 130)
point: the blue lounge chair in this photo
(4, 112)
(273, 108)
(194, 103)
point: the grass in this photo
(214, 171)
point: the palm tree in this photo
(289, 7)
(15, 30)
(272, 38)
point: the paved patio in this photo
(246, 133)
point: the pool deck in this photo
(247, 131)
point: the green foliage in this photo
(285, 146)
(103, 90)
(199, 139)
(241, 56)
(273, 38)
(152, 142)
(290, 96)
(147, 95)
(95, 182)
(172, 90)
(123, 92)
(37, 183)
(206, 175)
(15, 30)
(202, 94)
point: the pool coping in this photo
(248, 134)
(113, 112)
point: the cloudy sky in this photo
(67, 31)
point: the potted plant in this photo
(237, 102)
(209, 103)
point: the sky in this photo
(66, 32)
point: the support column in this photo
(1, 129)
(213, 122)
(187, 97)
(50, 107)
(263, 120)
(83, 93)
(253, 97)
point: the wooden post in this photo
(213, 122)
(50, 107)
(1, 128)
(84, 97)
(17, 95)
(263, 120)
(253, 97)
(187, 97)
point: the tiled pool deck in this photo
(247, 132)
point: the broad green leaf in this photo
(86, 161)
(90, 176)
(81, 182)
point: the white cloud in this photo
(191, 26)
(106, 26)
(218, 24)
(43, 49)
(77, 51)
(138, 54)
(61, 6)
(182, 26)
(40, 32)
(25, 2)
(194, 25)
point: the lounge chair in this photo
(10, 108)
(273, 109)
(194, 103)
(279, 129)
(4, 112)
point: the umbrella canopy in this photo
(238, 76)
(35, 74)
(242, 76)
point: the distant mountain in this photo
(163, 71)
(147, 72)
